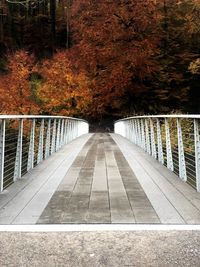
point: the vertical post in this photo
(81, 125)
(131, 132)
(143, 135)
(70, 131)
(58, 136)
(181, 156)
(139, 133)
(170, 164)
(75, 129)
(18, 159)
(160, 148)
(148, 147)
(62, 133)
(65, 132)
(2, 151)
(128, 130)
(48, 140)
(134, 132)
(30, 164)
(53, 140)
(197, 153)
(153, 145)
(41, 143)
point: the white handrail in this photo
(186, 116)
(35, 139)
(38, 117)
(174, 140)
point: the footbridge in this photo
(53, 171)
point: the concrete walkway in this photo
(100, 187)
(101, 249)
(100, 178)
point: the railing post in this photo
(170, 164)
(81, 124)
(197, 153)
(73, 130)
(127, 130)
(41, 143)
(125, 127)
(70, 131)
(76, 129)
(62, 133)
(30, 164)
(135, 132)
(65, 133)
(18, 159)
(153, 145)
(48, 140)
(143, 135)
(53, 140)
(58, 136)
(159, 140)
(139, 133)
(148, 147)
(132, 131)
(181, 156)
(2, 151)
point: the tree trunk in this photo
(53, 21)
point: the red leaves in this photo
(15, 92)
(116, 43)
(113, 45)
(64, 90)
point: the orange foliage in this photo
(15, 92)
(115, 42)
(111, 58)
(65, 90)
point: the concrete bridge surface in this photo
(100, 179)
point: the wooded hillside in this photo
(99, 58)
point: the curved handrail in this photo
(38, 117)
(184, 116)
(174, 140)
(35, 138)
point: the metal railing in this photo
(171, 139)
(25, 141)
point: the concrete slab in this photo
(100, 184)
(101, 249)
(26, 203)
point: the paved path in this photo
(100, 178)
(100, 187)
(101, 249)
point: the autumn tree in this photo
(110, 57)
(15, 91)
(65, 89)
(115, 42)
(179, 46)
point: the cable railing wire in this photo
(172, 139)
(25, 141)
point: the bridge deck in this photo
(100, 178)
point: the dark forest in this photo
(99, 59)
